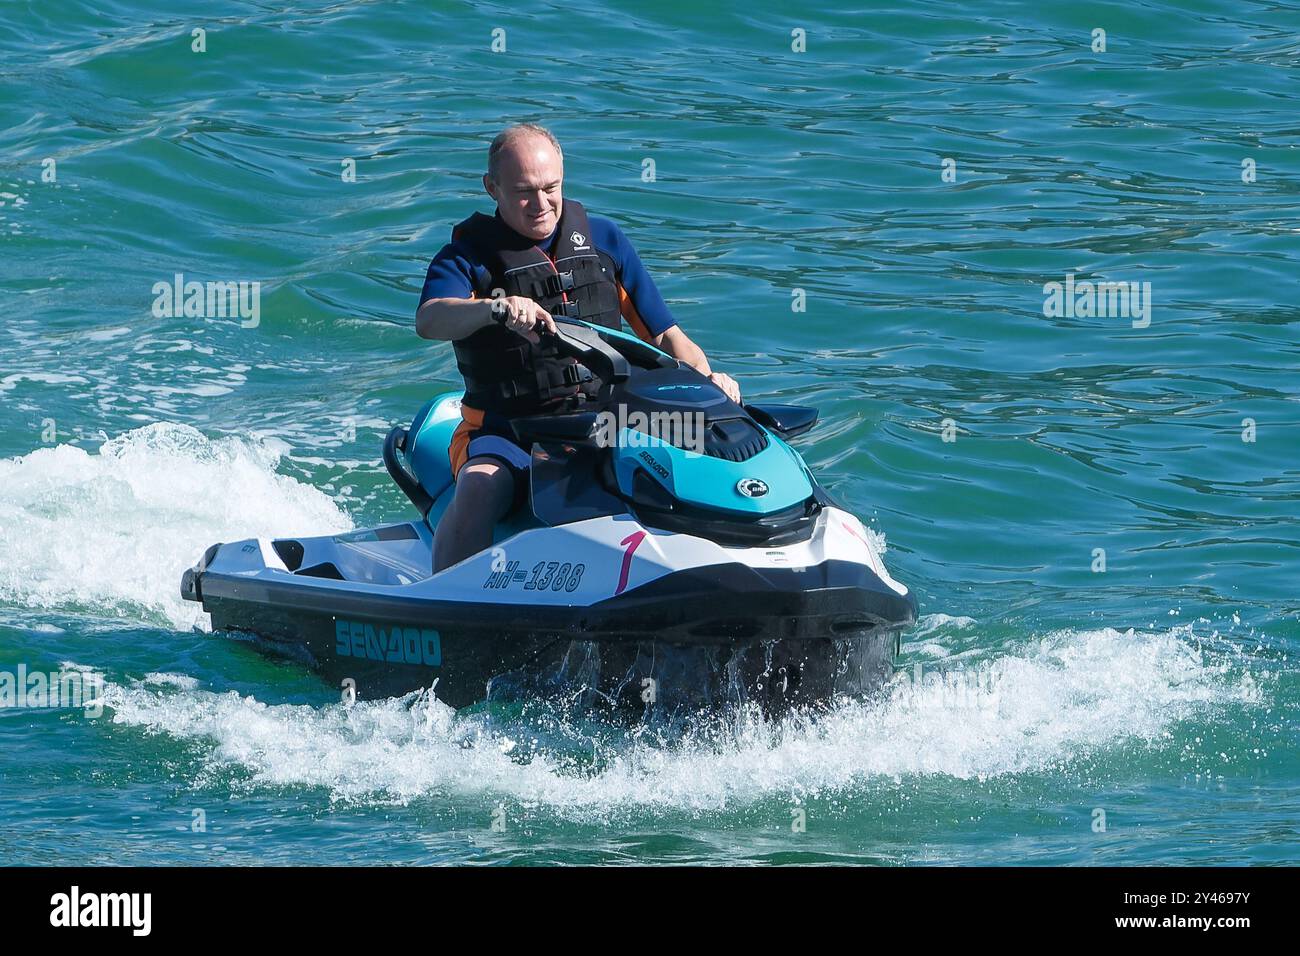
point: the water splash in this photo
(1068, 695)
(109, 532)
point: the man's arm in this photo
(645, 310)
(450, 308)
(679, 345)
(449, 319)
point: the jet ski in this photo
(674, 550)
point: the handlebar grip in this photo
(500, 316)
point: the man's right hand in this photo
(523, 315)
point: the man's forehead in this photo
(537, 182)
(529, 151)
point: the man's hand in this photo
(679, 345)
(523, 315)
(727, 384)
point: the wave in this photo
(109, 532)
(1066, 697)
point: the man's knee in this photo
(484, 484)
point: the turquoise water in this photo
(1161, 691)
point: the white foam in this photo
(1067, 697)
(929, 623)
(183, 681)
(9, 382)
(927, 637)
(106, 335)
(928, 648)
(112, 531)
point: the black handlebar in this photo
(581, 342)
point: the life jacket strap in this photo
(547, 380)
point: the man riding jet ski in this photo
(603, 517)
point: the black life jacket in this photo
(504, 372)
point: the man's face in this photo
(527, 192)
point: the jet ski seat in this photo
(428, 439)
(427, 479)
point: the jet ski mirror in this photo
(788, 421)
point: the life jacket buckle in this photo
(577, 374)
(559, 283)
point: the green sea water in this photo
(1098, 513)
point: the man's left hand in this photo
(727, 384)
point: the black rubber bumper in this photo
(726, 604)
(190, 580)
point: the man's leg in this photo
(485, 489)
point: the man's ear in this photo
(490, 187)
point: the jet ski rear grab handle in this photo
(394, 442)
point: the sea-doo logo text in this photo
(103, 909)
(751, 487)
(669, 388)
(397, 645)
(659, 469)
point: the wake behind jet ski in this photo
(646, 568)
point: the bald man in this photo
(539, 256)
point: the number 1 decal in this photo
(630, 542)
